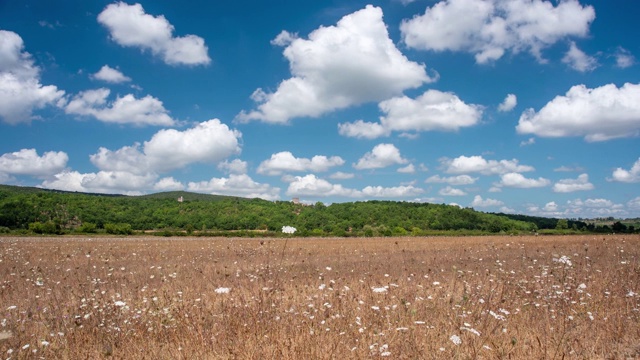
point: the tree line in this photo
(32, 210)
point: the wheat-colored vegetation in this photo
(412, 298)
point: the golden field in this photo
(537, 297)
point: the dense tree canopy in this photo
(44, 211)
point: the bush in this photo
(4, 230)
(88, 228)
(48, 227)
(118, 229)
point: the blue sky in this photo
(520, 106)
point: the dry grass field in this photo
(573, 297)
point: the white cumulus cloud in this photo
(110, 75)
(124, 110)
(168, 184)
(391, 192)
(310, 185)
(104, 182)
(628, 176)
(20, 89)
(451, 191)
(517, 180)
(433, 110)
(599, 114)
(478, 201)
(509, 103)
(339, 175)
(338, 66)
(472, 164)
(236, 185)
(490, 28)
(129, 25)
(409, 169)
(285, 162)
(452, 180)
(381, 156)
(28, 162)
(578, 60)
(207, 142)
(570, 185)
(624, 58)
(235, 166)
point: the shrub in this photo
(118, 229)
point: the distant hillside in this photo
(188, 196)
(39, 210)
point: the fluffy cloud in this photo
(517, 180)
(433, 110)
(285, 162)
(409, 169)
(624, 58)
(28, 162)
(310, 185)
(570, 185)
(341, 176)
(628, 176)
(236, 185)
(105, 182)
(509, 103)
(110, 75)
(578, 60)
(595, 208)
(391, 192)
(452, 180)
(338, 66)
(129, 25)
(362, 130)
(169, 149)
(236, 166)
(599, 114)
(489, 28)
(168, 184)
(450, 191)
(381, 156)
(478, 201)
(20, 89)
(470, 164)
(124, 110)
(634, 203)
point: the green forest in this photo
(25, 210)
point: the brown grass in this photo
(151, 298)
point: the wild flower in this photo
(380, 289)
(564, 259)
(119, 303)
(222, 290)
(497, 316)
(455, 339)
(471, 330)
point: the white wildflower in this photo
(455, 339)
(379, 289)
(564, 259)
(222, 290)
(119, 303)
(471, 330)
(497, 316)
